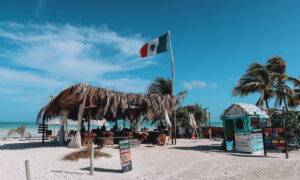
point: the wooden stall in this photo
(242, 125)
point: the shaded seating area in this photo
(83, 103)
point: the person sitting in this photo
(161, 139)
(114, 128)
(103, 128)
(82, 128)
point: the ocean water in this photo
(32, 127)
(218, 123)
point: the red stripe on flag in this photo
(143, 50)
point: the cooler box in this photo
(229, 145)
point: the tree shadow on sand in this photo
(67, 172)
(217, 148)
(203, 148)
(103, 170)
(28, 145)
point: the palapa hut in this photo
(83, 101)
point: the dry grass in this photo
(84, 154)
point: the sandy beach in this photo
(189, 159)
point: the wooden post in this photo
(92, 159)
(286, 146)
(63, 119)
(91, 145)
(43, 136)
(173, 129)
(27, 167)
(285, 141)
(80, 114)
(209, 129)
(264, 142)
(284, 134)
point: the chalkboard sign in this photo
(125, 156)
(275, 139)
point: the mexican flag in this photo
(156, 46)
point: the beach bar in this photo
(242, 125)
(84, 103)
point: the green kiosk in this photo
(242, 125)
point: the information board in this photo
(243, 143)
(125, 156)
(275, 139)
(250, 143)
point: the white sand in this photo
(190, 159)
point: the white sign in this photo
(243, 143)
(249, 142)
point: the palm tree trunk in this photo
(267, 103)
(285, 103)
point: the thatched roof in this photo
(107, 104)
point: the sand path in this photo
(189, 159)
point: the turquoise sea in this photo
(32, 126)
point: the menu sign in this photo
(125, 156)
(249, 142)
(275, 139)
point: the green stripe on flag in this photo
(162, 45)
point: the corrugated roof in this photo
(242, 109)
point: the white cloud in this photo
(72, 52)
(197, 84)
(194, 85)
(53, 56)
(19, 86)
(126, 84)
(15, 78)
(213, 85)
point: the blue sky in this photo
(48, 45)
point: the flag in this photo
(167, 119)
(193, 123)
(156, 46)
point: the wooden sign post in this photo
(42, 128)
(274, 138)
(125, 156)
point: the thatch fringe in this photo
(104, 103)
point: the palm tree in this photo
(256, 80)
(164, 86)
(276, 67)
(295, 101)
(270, 81)
(160, 86)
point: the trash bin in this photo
(229, 145)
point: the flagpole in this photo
(172, 89)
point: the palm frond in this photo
(293, 80)
(180, 97)
(276, 64)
